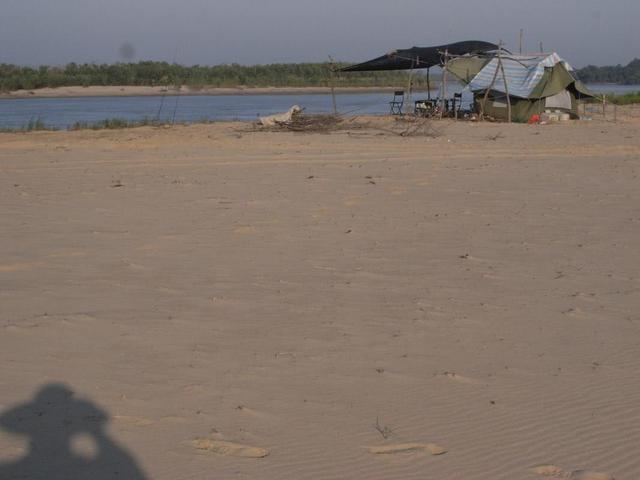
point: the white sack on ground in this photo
(273, 120)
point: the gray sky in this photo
(210, 32)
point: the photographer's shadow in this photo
(67, 440)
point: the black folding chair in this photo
(397, 103)
(457, 102)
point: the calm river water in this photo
(64, 112)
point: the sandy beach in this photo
(272, 305)
(132, 91)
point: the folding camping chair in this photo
(397, 103)
(457, 103)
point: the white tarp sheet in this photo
(523, 73)
(560, 100)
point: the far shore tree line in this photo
(150, 73)
(625, 75)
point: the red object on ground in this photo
(534, 119)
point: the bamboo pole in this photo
(444, 83)
(332, 85)
(407, 101)
(521, 38)
(504, 78)
(486, 93)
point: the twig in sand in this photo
(417, 127)
(385, 431)
(495, 137)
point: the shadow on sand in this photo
(67, 440)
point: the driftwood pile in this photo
(326, 123)
(314, 123)
(302, 122)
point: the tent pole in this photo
(333, 84)
(444, 83)
(504, 77)
(409, 89)
(486, 93)
(428, 85)
(521, 38)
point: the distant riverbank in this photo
(137, 91)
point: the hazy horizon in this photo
(38, 32)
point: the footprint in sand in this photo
(549, 471)
(133, 421)
(229, 449)
(245, 230)
(586, 475)
(431, 448)
(77, 319)
(461, 378)
(21, 266)
(557, 472)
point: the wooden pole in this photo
(428, 84)
(541, 48)
(407, 101)
(504, 78)
(486, 93)
(444, 83)
(333, 88)
(521, 38)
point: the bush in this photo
(626, 99)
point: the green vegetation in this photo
(13, 77)
(626, 99)
(108, 124)
(115, 123)
(615, 74)
(34, 125)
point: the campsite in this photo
(418, 264)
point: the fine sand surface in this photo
(261, 305)
(129, 91)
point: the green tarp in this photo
(550, 82)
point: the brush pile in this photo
(302, 122)
(298, 121)
(416, 127)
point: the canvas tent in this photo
(421, 57)
(534, 83)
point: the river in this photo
(61, 113)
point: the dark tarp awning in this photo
(417, 57)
